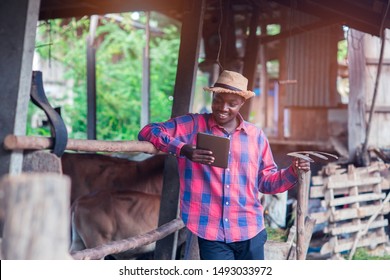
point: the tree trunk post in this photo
(36, 216)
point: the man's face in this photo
(225, 107)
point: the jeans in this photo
(252, 249)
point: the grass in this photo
(277, 234)
(363, 254)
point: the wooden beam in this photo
(251, 59)
(13, 142)
(352, 14)
(191, 34)
(287, 33)
(17, 40)
(77, 8)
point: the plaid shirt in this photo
(216, 203)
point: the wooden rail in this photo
(15, 142)
(115, 247)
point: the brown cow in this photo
(105, 216)
(113, 198)
(92, 172)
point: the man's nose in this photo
(224, 106)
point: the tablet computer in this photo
(217, 144)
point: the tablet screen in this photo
(217, 144)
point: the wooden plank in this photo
(36, 216)
(350, 227)
(372, 241)
(319, 191)
(364, 211)
(318, 181)
(357, 198)
(351, 183)
(338, 246)
(321, 217)
(385, 184)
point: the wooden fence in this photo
(356, 202)
(36, 208)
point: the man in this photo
(221, 205)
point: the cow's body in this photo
(113, 198)
(94, 172)
(105, 216)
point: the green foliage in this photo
(119, 54)
(342, 51)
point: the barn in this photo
(303, 110)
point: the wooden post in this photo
(91, 78)
(145, 98)
(301, 213)
(36, 217)
(18, 21)
(251, 60)
(191, 34)
(357, 103)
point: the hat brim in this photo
(245, 93)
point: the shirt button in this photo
(227, 186)
(227, 203)
(227, 170)
(226, 220)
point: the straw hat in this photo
(231, 82)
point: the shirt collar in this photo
(242, 125)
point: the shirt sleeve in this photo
(272, 180)
(169, 136)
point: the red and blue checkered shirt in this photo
(216, 203)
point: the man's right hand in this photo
(197, 155)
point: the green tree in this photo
(118, 72)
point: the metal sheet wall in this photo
(311, 61)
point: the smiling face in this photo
(225, 107)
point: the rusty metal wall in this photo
(311, 61)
